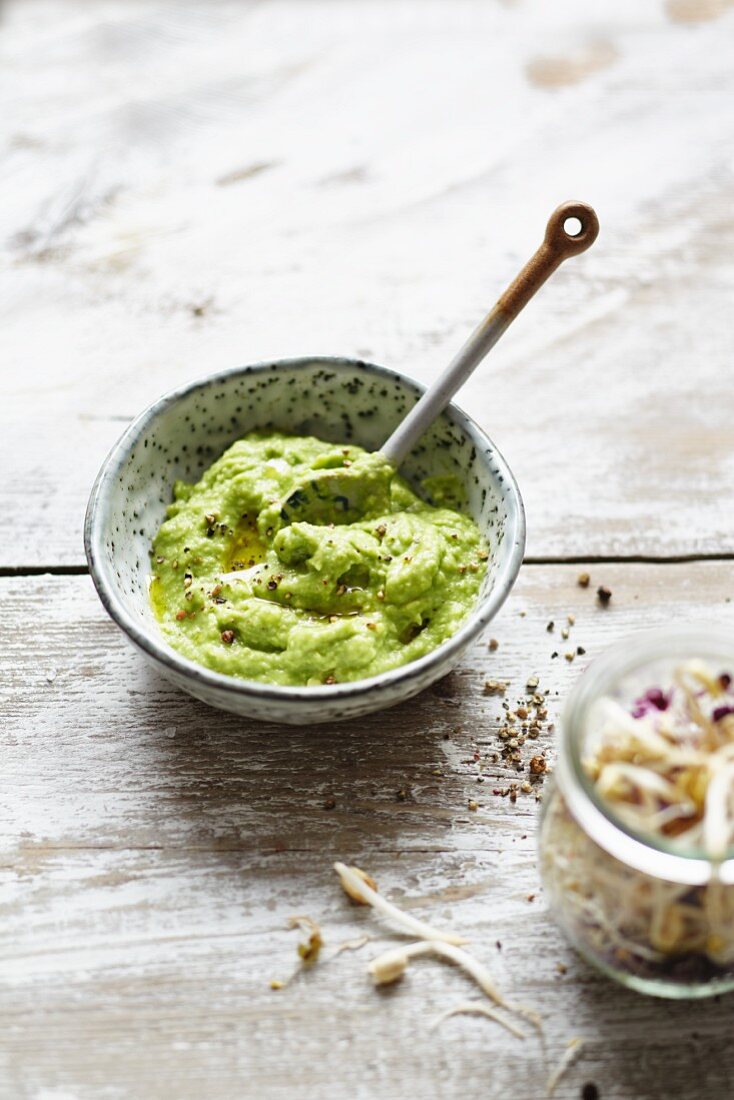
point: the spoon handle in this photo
(559, 243)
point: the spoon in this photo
(341, 495)
(559, 243)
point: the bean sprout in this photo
(665, 768)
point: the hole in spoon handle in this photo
(572, 228)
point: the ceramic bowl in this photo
(341, 400)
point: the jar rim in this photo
(645, 852)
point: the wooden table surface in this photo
(189, 186)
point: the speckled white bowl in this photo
(343, 400)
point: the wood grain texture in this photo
(187, 186)
(192, 186)
(151, 850)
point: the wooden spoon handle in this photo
(560, 242)
(557, 246)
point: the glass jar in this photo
(653, 914)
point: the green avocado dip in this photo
(299, 562)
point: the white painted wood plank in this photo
(187, 187)
(152, 849)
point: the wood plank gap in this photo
(577, 559)
(629, 559)
(44, 570)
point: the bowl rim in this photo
(177, 663)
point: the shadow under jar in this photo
(651, 907)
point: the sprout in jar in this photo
(667, 767)
(662, 765)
